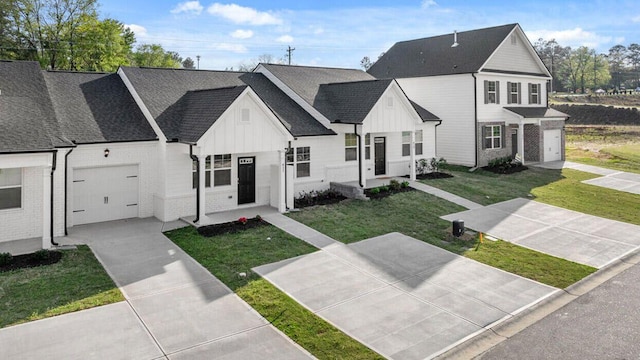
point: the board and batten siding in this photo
(451, 99)
(246, 127)
(392, 113)
(515, 56)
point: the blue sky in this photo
(340, 33)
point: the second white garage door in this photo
(104, 194)
(552, 145)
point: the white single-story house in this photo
(78, 148)
(490, 88)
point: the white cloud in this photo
(192, 7)
(285, 39)
(243, 15)
(242, 34)
(235, 48)
(318, 30)
(428, 3)
(139, 30)
(636, 19)
(571, 37)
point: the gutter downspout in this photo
(66, 182)
(286, 199)
(355, 130)
(197, 160)
(54, 153)
(475, 115)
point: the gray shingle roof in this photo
(435, 56)
(425, 114)
(349, 102)
(537, 112)
(306, 80)
(163, 91)
(95, 107)
(27, 119)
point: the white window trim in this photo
(207, 171)
(292, 158)
(535, 94)
(492, 136)
(490, 92)
(21, 186)
(409, 142)
(350, 146)
(367, 146)
(226, 168)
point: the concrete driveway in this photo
(402, 297)
(553, 230)
(610, 179)
(175, 308)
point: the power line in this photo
(289, 51)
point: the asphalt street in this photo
(601, 324)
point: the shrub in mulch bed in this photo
(506, 170)
(313, 198)
(231, 227)
(384, 191)
(39, 258)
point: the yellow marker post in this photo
(481, 238)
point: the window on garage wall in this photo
(207, 173)
(350, 147)
(222, 170)
(300, 157)
(10, 188)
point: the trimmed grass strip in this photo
(77, 282)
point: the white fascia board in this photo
(528, 45)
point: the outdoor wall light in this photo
(106, 152)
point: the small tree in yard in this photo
(422, 166)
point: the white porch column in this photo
(282, 199)
(202, 161)
(412, 157)
(361, 156)
(46, 208)
(521, 140)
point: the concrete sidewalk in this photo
(174, 308)
(443, 194)
(610, 179)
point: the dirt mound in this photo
(599, 115)
(618, 100)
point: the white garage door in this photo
(552, 145)
(104, 194)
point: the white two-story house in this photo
(488, 86)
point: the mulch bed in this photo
(508, 170)
(384, 194)
(323, 199)
(431, 176)
(231, 227)
(30, 261)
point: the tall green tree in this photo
(553, 55)
(576, 68)
(102, 45)
(617, 58)
(153, 55)
(634, 59)
(188, 63)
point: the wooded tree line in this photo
(69, 35)
(583, 68)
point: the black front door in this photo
(380, 149)
(514, 144)
(246, 180)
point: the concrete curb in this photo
(493, 336)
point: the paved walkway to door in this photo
(174, 308)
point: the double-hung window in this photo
(222, 170)
(513, 93)
(534, 93)
(300, 157)
(10, 188)
(350, 147)
(491, 92)
(493, 137)
(207, 173)
(406, 143)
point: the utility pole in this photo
(198, 58)
(289, 51)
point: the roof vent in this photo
(455, 39)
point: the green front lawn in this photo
(561, 188)
(228, 255)
(416, 214)
(77, 282)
